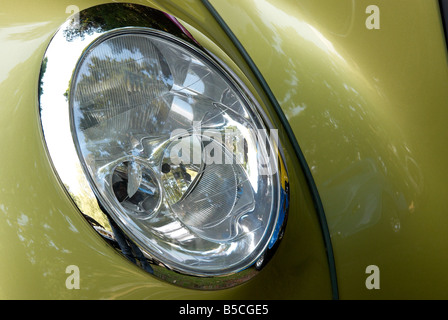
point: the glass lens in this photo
(174, 152)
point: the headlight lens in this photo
(175, 152)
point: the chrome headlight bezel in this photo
(54, 104)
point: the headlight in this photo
(175, 150)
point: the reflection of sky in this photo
(21, 50)
(193, 82)
(182, 108)
(304, 30)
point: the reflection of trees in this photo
(89, 205)
(111, 16)
(43, 68)
(133, 74)
(111, 87)
(122, 92)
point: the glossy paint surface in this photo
(369, 109)
(42, 231)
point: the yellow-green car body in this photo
(364, 91)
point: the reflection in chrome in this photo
(98, 77)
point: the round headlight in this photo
(176, 153)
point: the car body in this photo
(361, 115)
